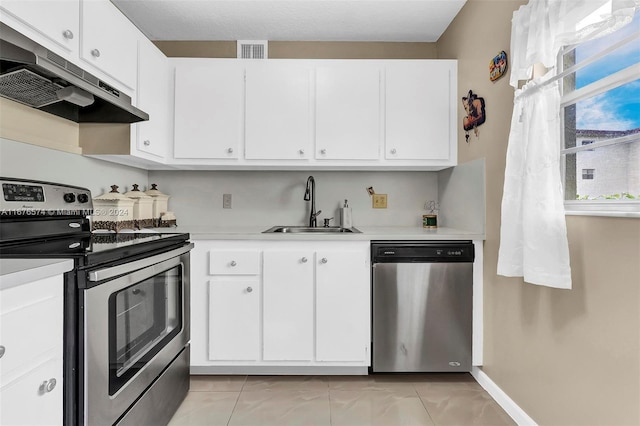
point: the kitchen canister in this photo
(112, 211)
(160, 203)
(142, 208)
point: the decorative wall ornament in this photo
(498, 66)
(474, 106)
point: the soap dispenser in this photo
(346, 220)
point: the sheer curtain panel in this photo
(533, 236)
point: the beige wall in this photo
(303, 49)
(567, 357)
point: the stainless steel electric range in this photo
(126, 304)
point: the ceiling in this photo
(297, 20)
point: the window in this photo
(601, 113)
(588, 173)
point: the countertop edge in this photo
(15, 272)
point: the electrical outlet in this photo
(379, 201)
(226, 201)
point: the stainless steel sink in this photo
(310, 229)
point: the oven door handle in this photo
(129, 267)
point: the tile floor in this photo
(385, 400)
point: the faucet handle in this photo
(326, 221)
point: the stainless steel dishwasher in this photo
(422, 305)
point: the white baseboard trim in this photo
(517, 414)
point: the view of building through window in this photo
(602, 117)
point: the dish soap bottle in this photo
(346, 220)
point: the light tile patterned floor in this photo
(385, 400)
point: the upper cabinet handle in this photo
(68, 34)
(95, 53)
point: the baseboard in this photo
(280, 370)
(517, 414)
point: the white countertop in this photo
(15, 272)
(368, 233)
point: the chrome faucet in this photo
(310, 195)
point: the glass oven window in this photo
(143, 318)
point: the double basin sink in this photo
(310, 230)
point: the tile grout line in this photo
(237, 399)
(423, 405)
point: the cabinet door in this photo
(342, 305)
(234, 319)
(419, 110)
(209, 104)
(348, 112)
(109, 41)
(155, 85)
(278, 121)
(57, 20)
(36, 397)
(288, 305)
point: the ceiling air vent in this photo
(252, 49)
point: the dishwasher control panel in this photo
(422, 251)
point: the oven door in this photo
(136, 322)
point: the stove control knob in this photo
(83, 198)
(69, 197)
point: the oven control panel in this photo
(24, 197)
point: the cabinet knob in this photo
(68, 34)
(146, 143)
(48, 385)
(323, 151)
(95, 53)
(249, 289)
(2, 351)
(301, 152)
(233, 263)
(393, 151)
(323, 260)
(303, 260)
(230, 150)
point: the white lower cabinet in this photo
(31, 346)
(306, 306)
(288, 305)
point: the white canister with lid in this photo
(112, 211)
(160, 202)
(142, 209)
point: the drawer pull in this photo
(2, 351)
(323, 260)
(249, 289)
(233, 263)
(303, 260)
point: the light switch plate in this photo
(379, 201)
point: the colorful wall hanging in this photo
(498, 66)
(474, 106)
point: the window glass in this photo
(604, 173)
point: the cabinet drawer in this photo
(30, 323)
(234, 262)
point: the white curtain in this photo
(533, 235)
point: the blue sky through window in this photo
(617, 109)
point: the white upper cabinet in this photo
(109, 41)
(278, 108)
(209, 109)
(420, 110)
(154, 95)
(55, 23)
(348, 111)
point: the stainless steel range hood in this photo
(35, 76)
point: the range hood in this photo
(35, 76)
